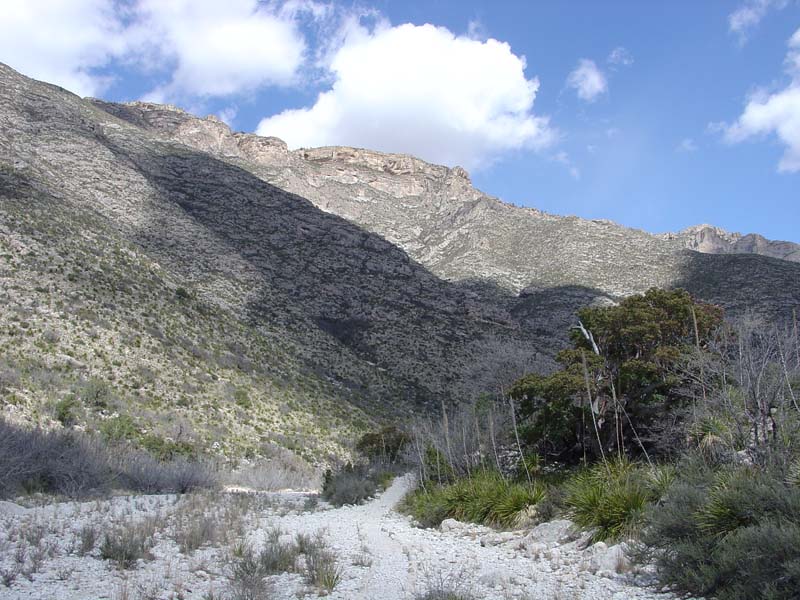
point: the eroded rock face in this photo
(714, 240)
(463, 235)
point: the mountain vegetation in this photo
(180, 301)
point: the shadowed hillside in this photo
(220, 289)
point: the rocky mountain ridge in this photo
(220, 284)
(455, 230)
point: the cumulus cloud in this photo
(775, 113)
(587, 80)
(220, 48)
(421, 90)
(61, 41)
(745, 18)
(199, 47)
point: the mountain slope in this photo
(249, 309)
(464, 235)
(713, 240)
(221, 289)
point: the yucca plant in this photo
(610, 498)
(514, 504)
(483, 498)
(711, 435)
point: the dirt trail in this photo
(407, 561)
(381, 554)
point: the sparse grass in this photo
(321, 569)
(126, 544)
(88, 539)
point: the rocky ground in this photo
(46, 551)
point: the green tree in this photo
(617, 384)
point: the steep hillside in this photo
(221, 289)
(209, 302)
(463, 235)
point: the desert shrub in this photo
(729, 533)
(276, 556)
(353, 484)
(249, 569)
(139, 471)
(119, 428)
(65, 411)
(125, 545)
(321, 569)
(443, 594)
(95, 393)
(610, 498)
(76, 465)
(275, 469)
(87, 539)
(35, 460)
(198, 529)
(247, 577)
(165, 449)
(485, 497)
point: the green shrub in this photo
(164, 449)
(386, 444)
(484, 497)
(65, 411)
(610, 498)
(731, 533)
(119, 428)
(355, 483)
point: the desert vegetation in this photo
(666, 427)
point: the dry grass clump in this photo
(126, 544)
(276, 469)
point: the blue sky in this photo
(658, 115)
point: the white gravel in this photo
(382, 555)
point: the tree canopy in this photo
(618, 385)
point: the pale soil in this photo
(382, 555)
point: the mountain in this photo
(465, 236)
(219, 288)
(713, 240)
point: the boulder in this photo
(560, 531)
(601, 558)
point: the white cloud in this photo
(620, 56)
(687, 145)
(563, 158)
(219, 48)
(745, 18)
(200, 47)
(421, 90)
(775, 113)
(587, 80)
(61, 41)
(227, 115)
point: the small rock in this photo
(560, 531)
(451, 525)
(603, 558)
